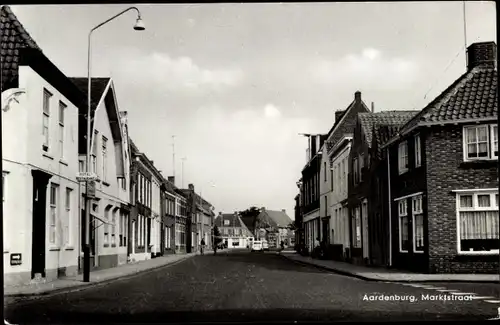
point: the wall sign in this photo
(15, 259)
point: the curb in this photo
(368, 279)
(86, 285)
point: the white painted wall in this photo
(339, 221)
(22, 140)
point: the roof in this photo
(473, 96)
(369, 120)
(98, 86)
(234, 220)
(13, 38)
(381, 134)
(277, 218)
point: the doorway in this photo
(39, 218)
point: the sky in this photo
(236, 83)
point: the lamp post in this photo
(139, 26)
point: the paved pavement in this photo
(384, 274)
(237, 286)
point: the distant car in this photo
(265, 245)
(257, 246)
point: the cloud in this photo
(182, 74)
(368, 69)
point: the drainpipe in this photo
(389, 206)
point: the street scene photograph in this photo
(281, 162)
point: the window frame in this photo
(402, 213)
(104, 152)
(47, 97)
(68, 194)
(62, 112)
(475, 207)
(355, 170)
(54, 213)
(401, 157)
(490, 133)
(417, 211)
(418, 150)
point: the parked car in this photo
(265, 245)
(257, 246)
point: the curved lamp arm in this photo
(9, 95)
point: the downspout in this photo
(389, 206)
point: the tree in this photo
(251, 213)
(217, 236)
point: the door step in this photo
(38, 279)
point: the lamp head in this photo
(139, 24)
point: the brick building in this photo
(444, 176)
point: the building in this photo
(40, 108)
(206, 217)
(444, 176)
(181, 220)
(310, 183)
(361, 181)
(109, 212)
(278, 225)
(299, 225)
(337, 230)
(233, 231)
(157, 225)
(169, 216)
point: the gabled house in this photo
(444, 176)
(233, 231)
(334, 228)
(278, 225)
(169, 216)
(40, 192)
(110, 161)
(182, 219)
(360, 180)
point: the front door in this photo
(39, 201)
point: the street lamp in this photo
(139, 26)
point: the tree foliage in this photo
(217, 236)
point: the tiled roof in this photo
(472, 96)
(277, 218)
(234, 220)
(369, 120)
(13, 38)
(98, 86)
(381, 134)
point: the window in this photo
(81, 166)
(480, 142)
(418, 151)
(93, 155)
(54, 194)
(104, 157)
(113, 228)
(331, 179)
(357, 222)
(344, 172)
(478, 222)
(355, 170)
(106, 226)
(361, 166)
(68, 225)
(62, 109)
(46, 119)
(326, 206)
(403, 157)
(418, 224)
(324, 169)
(403, 226)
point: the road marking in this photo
(493, 301)
(462, 293)
(448, 290)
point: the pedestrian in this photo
(202, 245)
(282, 245)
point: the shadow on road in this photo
(267, 260)
(240, 315)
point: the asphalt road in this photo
(244, 286)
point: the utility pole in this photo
(173, 156)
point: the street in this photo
(243, 286)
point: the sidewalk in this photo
(388, 275)
(99, 277)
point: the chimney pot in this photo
(263, 209)
(171, 179)
(283, 210)
(191, 187)
(373, 107)
(482, 54)
(357, 96)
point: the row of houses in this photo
(415, 190)
(135, 213)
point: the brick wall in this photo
(446, 172)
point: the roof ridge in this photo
(22, 31)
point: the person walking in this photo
(202, 244)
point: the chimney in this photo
(357, 96)
(262, 209)
(152, 162)
(283, 210)
(482, 54)
(337, 116)
(191, 187)
(171, 179)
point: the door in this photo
(364, 216)
(39, 204)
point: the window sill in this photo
(482, 253)
(63, 162)
(403, 171)
(105, 183)
(6, 250)
(46, 155)
(69, 248)
(484, 163)
(54, 249)
(113, 245)
(406, 252)
(418, 252)
(105, 245)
